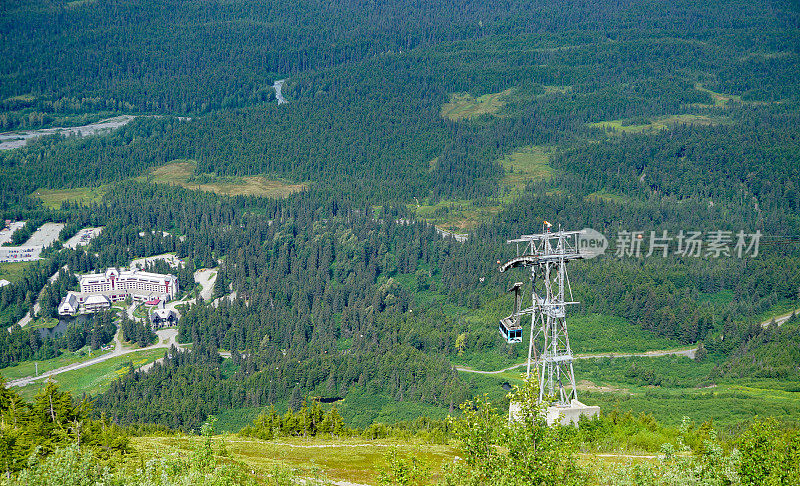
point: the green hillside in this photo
(327, 218)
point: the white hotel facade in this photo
(100, 290)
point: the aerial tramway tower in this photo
(549, 354)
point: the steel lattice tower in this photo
(549, 352)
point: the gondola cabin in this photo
(510, 329)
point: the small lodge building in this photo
(69, 305)
(163, 318)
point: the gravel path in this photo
(779, 320)
(278, 85)
(17, 139)
(689, 353)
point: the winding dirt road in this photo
(689, 353)
(779, 320)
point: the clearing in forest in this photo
(525, 165)
(93, 379)
(720, 99)
(13, 271)
(641, 124)
(456, 215)
(465, 106)
(52, 198)
(182, 173)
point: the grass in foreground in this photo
(726, 405)
(669, 387)
(353, 459)
(182, 173)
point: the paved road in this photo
(131, 309)
(167, 335)
(689, 353)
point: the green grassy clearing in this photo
(717, 299)
(485, 350)
(335, 459)
(360, 408)
(353, 459)
(455, 215)
(78, 3)
(780, 309)
(527, 164)
(548, 90)
(182, 173)
(598, 333)
(23, 97)
(96, 378)
(53, 198)
(13, 271)
(44, 323)
(465, 106)
(720, 99)
(639, 125)
(604, 195)
(726, 405)
(142, 311)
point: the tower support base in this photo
(561, 414)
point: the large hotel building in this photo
(99, 290)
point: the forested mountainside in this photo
(199, 56)
(328, 220)
(374, 123)
(325, 295)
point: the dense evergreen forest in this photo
(329, 290)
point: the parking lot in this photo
(82, 237)
(5, 233)
(30, 250)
